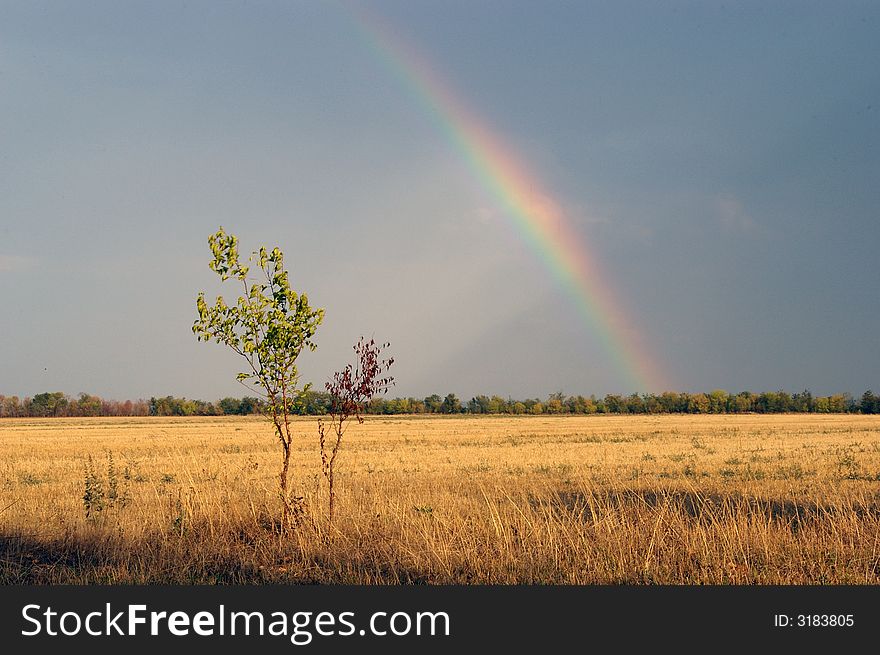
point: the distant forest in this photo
(315, 403)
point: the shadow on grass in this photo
(708, 507)
(31, 561)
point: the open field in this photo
(635, 500)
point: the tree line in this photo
(318, 403)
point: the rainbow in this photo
(533, 212)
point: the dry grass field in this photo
(789, 499)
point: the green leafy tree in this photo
(269, 326)
(451, 404)
(479, 405)
(742, 402)
(614, 404)
(555, 403)
(48, 404)
(250, 405)
(230, 405)
(433, 404)
(590, 406)
(698, 403)
(89, 405)
(671, 402)
(870, 403)
(718, 401)
(634, 404)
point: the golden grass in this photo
(789, 499)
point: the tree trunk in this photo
(330, 479)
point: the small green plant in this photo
(93, 497)
(112, 480)
(180, 514)
(101, 492)
(727, 473)
(848, 466)
(754, 474)
(30, 479)
(132, 471)
(698, 443)
(790, 472)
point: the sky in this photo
(707, 180)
